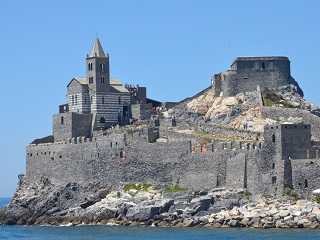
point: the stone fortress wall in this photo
(284, 156)
(124, 157)
(246, 73)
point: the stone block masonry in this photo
(123, 158)
(71, 124)
(246, 73)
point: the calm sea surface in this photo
(144, 233)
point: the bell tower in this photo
(98, 74)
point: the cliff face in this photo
(37, 202)
(143, 204)
(243, 111)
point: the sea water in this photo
(145, 233)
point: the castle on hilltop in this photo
(97, 101)
(246, 73)
(161, 151)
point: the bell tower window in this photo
(90, 66)
(101, 67)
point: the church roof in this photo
(117, 85)
(97, 50)
(81, 80)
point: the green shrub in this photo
(137, 186)
(316, 199)
(246, 194)
(272, 99)
(291, 193)
(175, 188)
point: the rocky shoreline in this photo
(141, 204)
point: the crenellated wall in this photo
(121, 156)
(118, 158)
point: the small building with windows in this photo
(95, 102)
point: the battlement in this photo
(283, 126)
(259, 59)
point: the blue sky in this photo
(170, 46)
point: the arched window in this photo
(263, 66)
(305, 183)
(72, 100)
(122, 153)
(90, 66)
(102, 67)
(273, 138)
(90, 79)
(102, 100)
(102, 79)
(61, 120)
(102, 120)
(219, 182)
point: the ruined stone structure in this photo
(282, 157)
(246, 73)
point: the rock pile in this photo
(74, 204)
(268, 213)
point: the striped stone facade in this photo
(79, 102)
(109, 108)
(107, 101)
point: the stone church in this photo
(96, 102)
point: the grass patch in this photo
(207, 137)
(137, 186)
(175, 188)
